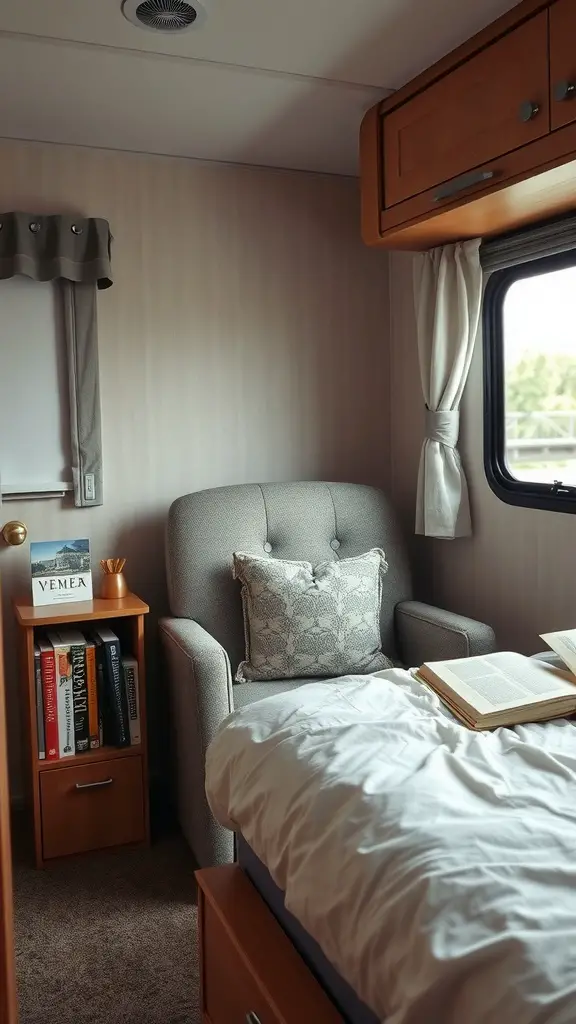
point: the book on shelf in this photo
(76, 643)
(50, 698)
(115, 705)
(92, 688)
(87, 692)
(506, 688)
(39, 704)
(130, 670)
(65, 693)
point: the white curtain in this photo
(448, 298)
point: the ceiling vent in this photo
(162, 15)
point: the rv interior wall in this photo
(514, 572)
(245, 338)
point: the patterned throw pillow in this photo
(302, 621)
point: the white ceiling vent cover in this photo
(163, 15)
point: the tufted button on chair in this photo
(204, 638)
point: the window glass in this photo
(539, 376)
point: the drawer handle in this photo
(252, 1018)
(94, 785)
(452, 188)
(528, 110)
(564, 91)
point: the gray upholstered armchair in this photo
(204, 641)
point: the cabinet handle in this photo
(252, 1018)
(452, 188)
(94, 785)
(564, 91)
(528, 110)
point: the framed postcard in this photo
(60, 571)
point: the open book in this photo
(503, 688)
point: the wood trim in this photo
(504, 24)
(265, 950)
(139, 652)
(78, 611)
(371, 197)
(8, 1001)
(28, 683)
(540, 188)
(90, 757)
(201, 958)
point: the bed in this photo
(435, 868)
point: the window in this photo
(530, 383)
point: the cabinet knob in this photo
(528, 110)
(564, 91)
(252, 1018)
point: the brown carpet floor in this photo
(109, 938)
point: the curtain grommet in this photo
(35, 226)
(76, 230)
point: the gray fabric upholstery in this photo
(297, 521)
(204, 641)
(247, 692)
(200, 698)
(426, 633)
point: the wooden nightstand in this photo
(99, 798)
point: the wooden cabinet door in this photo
(563, 63)
(8, 1012)
(493, 103)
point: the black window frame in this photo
(552, 497)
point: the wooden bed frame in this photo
(250, 973)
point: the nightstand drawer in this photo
(87, 807)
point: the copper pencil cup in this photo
(113, 585)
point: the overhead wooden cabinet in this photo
(481, 143)
(563, 62)
(495, 102)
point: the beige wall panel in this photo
(245, 338)
(515, 571)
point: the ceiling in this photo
(259, 81)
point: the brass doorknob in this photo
(15, 533)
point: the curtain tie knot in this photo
(443, 426)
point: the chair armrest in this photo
(195, 653)
(426, 633)
(200, 683)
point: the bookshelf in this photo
(99, 798)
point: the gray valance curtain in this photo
(76, 252)
(48, 248)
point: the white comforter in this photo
(436, 867)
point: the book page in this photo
(502, 681)
(564, 644)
